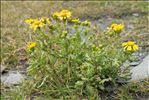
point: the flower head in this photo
(35, 23)
(117, 27)
(31, 45)
(29, 21)
(56, 14)
(130, 46)
(64, 14)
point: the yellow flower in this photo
(31, 45)
(77, 21)
(56, 14)
(36, 24)
(130, 46)
(64, 14)
(117, 27)
(29, 21)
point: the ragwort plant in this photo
(67, 57)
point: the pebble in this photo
(141, 71)
(135, 14)
(134, 63)
(12, 78)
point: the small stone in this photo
(135, 54)
(134, 63)
(135, 14)
(141, 71)
(12, 78)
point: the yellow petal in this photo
(135, 47)
(31, 45)
(125, 47)
(129, 48)
(130, 43)
(124, 44)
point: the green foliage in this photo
(72, 59)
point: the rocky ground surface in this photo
(141, 71)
